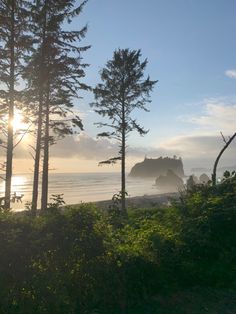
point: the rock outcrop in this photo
(170, 182)
(155, 167)
(204, 179)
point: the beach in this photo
(145, 201)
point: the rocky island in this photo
(155, 167)
(169, 182)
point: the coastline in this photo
(145, 201)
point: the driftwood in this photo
(227, 143)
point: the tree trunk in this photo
(44, 199)
(10, 113)
(40, 121)
(218, 158)
(37, 160)
(123, 191)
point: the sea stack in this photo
(155, 167)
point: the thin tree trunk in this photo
(38, 144)
(37, 159)
(123, 191)
(218, 158)
(10, 113)
(44, 199)
(40, 122)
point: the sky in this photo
(191, 50)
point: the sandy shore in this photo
(143, 201)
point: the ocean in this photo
(80, 187)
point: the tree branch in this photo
(227, 143)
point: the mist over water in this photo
(85, 187)
(80, 187)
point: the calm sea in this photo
(80, 187)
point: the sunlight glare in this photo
(18, 123)
(18, 180)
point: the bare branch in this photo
(224, 140)
(23, 135)
(227, 143)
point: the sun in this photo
(18, 122)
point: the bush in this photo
(82, 260)
(207, 230)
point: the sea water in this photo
(80, 187)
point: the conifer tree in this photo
(122, 90)
(54, 71)
(36, 78)
(14, 41)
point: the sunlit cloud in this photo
(200, 145)
(84, 146)
(192, 146)
(231, 73)
(205, 141)
(217, 116)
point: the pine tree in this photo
(122, 90)
(36, 77)
(57, 69)
(14, 42)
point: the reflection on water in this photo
(17, 184)
(20, 193)
(80, 187)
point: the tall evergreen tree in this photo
(35, 74)
(14, 41)
(55, 70)
(123, 89)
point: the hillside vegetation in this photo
(82, 260)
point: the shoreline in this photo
(162, 199)
(143, 201)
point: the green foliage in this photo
(57, 201)
(82, 260)
(207, 229)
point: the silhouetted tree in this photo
(122, 90)
(36, 77)
(227, 143)
(54, 71)
(14, 41)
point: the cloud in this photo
(217, 116)
(199, 149)
(200, 145)
(86, 147)
(204, 142)
(231, 73)
(196, 146)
